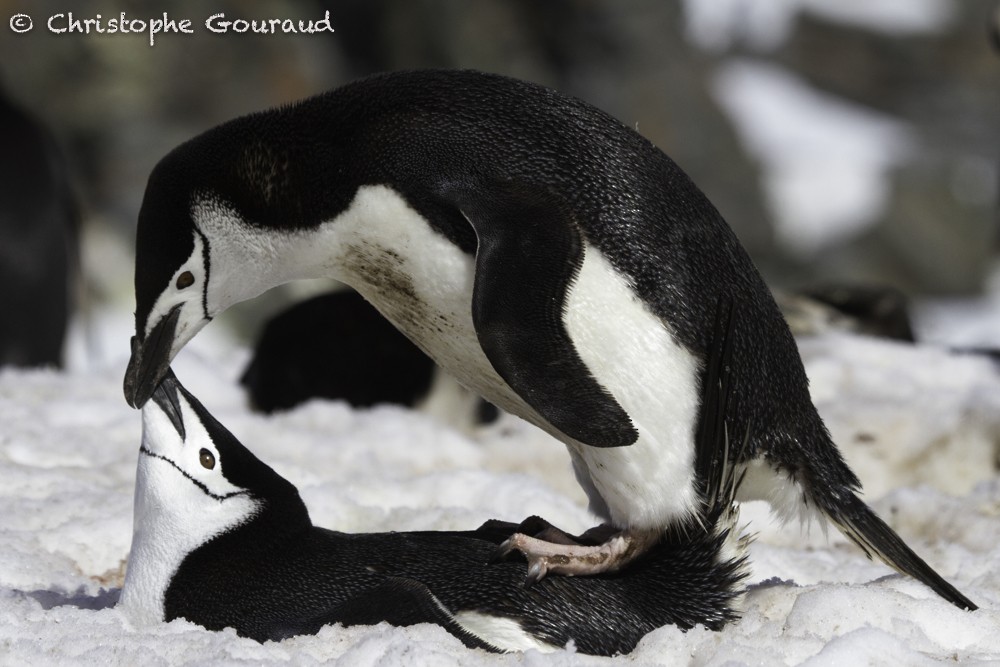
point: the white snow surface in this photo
(919, 425)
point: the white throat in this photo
(172, 517)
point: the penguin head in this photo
(197, 254)
(182, 477)
(194, 475)
(172, 277)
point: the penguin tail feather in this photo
(712, 456)
(859, 523)
(718, 480)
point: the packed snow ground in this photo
(920, 425)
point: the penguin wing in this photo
(530, 251)
(397, 601)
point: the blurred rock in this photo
(939, 232)
(995, 29)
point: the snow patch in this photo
(825, 161)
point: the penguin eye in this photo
(207, 459)
(186, 279)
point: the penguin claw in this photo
(537, 569)
(501, 553)
(531, 530)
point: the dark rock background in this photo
(117, 105)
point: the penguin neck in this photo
(278, 534)
(246, 260)
(279, 518)
(162, 537)
(361, 246)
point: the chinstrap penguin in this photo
(222, 540)
(546, 255)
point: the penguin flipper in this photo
(529, 252)
(397, 601)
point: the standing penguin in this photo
(549, 257)
(222, 540)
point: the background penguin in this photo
(865, 310)
(223, 541)
(546, 255)
(38, 241)
(337, 346)
(869, 310)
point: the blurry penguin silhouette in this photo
(38, 240)
(338, 347)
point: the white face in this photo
(182, 500)
(231, 262)
(167, 458)
(187, 290)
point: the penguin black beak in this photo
(165, 397)
(150, 360)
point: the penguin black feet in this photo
(550, 550)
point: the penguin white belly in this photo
(654, 378)
(423, 283)
(505, 634)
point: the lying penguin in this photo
(543, 253)
(222, 540)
